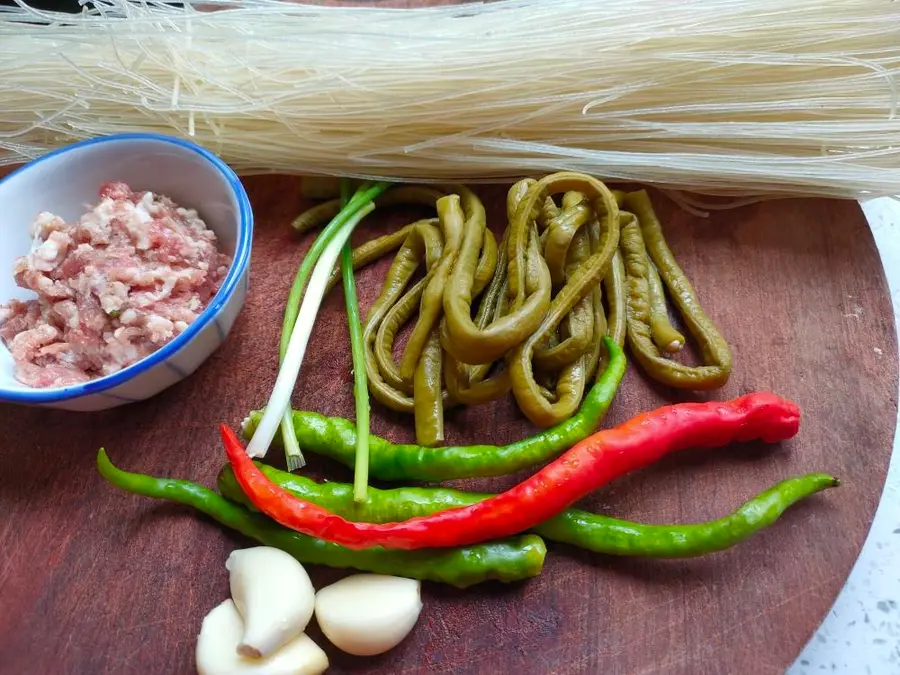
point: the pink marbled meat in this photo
(114, 287)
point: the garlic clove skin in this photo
(217, 654)
(274, 596)
(368, 614)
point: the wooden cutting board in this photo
(93, 580)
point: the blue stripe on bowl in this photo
(119, 397)
(220, 330)
(231, 283)
(176, 369)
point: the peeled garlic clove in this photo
(217, 649)
(368, 614)
(274, 595)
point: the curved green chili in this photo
(396, 306)
(423, 241)
(335, 437)
(577, 328)
(487, 263)
(665, 336)
(560, 233)
(642, 245)
(614, 287)
(472, 385)
(529, 294)
(373, 249)
(612, 324)
(590, 531)
(453, 223)
(571, 380)
(507, 560)
(427, 393)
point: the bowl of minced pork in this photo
(124, 261)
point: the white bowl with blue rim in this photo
(65, 182)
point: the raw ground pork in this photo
(114, 287)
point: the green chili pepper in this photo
(335, 437)
(507, 560)
(528, 287)
(589, 531)
(429, 406)
(560, 233)
(643, 246)
(665, 335)
(472, 385)
(372, 250)
(619, 537)
(571, 380)
(424, 241)
(614, 324)
(452, 221)
(577, 333)
(614, 286)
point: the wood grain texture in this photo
(96, 581)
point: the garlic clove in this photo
(274, 595)
(368, 614)
(220, 635)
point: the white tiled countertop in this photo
(861, 634)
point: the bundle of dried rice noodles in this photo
(714, 96)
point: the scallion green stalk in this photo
(358, 350)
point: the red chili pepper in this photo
(591, 463)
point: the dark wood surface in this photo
(95, 581)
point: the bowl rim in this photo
(239, 264)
